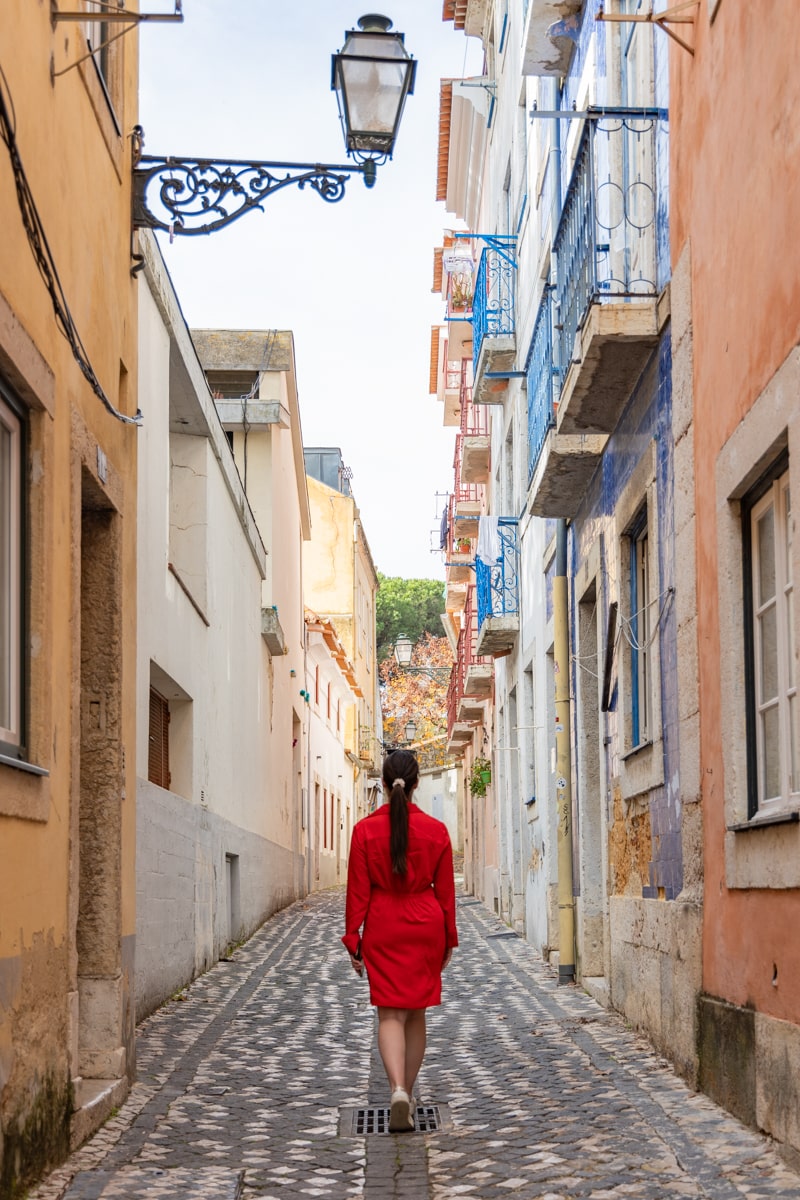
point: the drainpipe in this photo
(566, 901)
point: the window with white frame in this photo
(769, 638)
(11, 540)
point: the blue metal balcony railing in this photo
(493, 302)
(605, 245)
(541, 382)
(497, 586)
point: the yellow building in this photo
(67, 583)
(340, 582)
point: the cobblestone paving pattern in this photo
(551, 1097)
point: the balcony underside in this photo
(478, 681)
(452, 407)
(498, 355)
(455, 595)
(497, 635)
(460, 736)
(460, 568)
(471, 711)
(563, 473)
(466, 518)
(548, 47)
(475, 460)
(612, 350)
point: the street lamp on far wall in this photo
(403, 652)
(372, 75)
(411, 730)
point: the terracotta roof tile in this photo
(445, 105)
(434, 383)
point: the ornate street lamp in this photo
(411, 730)
(403, 651)
(372, 76)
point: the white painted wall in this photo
(222, 848)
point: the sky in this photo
(352, 280)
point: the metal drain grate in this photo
(360, 1122)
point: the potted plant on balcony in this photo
(480, 776)
(460, 293)
(463, 545)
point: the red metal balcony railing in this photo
(466, 656)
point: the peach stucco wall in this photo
(735, 198)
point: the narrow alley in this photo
(245, 1083)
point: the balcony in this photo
(560, 466)
(607, 311)
(494, 342)
(465, 700)
(498, 595)
(549, 38)
(475, 458)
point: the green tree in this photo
(410, 606)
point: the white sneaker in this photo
(400, 1120)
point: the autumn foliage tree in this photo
(408, 695)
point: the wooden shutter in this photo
(158, 759)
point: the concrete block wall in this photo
(183, 918)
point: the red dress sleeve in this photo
(444, 886)
(358, 891)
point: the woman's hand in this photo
(447, 957)
(357, 964)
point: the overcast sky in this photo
(251, 79)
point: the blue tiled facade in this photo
(647, 418)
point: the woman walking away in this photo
(400, 889)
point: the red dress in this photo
(409, 920)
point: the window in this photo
(11, 574)
(101, 40)
(324, 819)
(640, 634)
(769, 641)
(316, 686)
(158, 756)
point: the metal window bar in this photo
(498, 585)
(493, 303)
(541, 383)
(605, 245)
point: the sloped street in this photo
(242, 1083)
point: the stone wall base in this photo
(656, 973)
(750, 1064)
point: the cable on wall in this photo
(43, 256)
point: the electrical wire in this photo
(43, 256)
(627, 623)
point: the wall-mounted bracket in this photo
(677, 15)
(104, 12)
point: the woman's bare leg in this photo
(401, 1042)
(416, 1036)
(392, 1044)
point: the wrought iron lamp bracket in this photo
(200, 195)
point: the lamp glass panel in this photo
(374, 75)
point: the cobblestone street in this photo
(545, 1094)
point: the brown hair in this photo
(401, 776)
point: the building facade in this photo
(341, 585)
(737, 415)
(221, 835)
(67, 585)
(556, 162)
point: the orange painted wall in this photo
(735, 195)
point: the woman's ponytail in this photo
(400, 776)
(398, 824)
